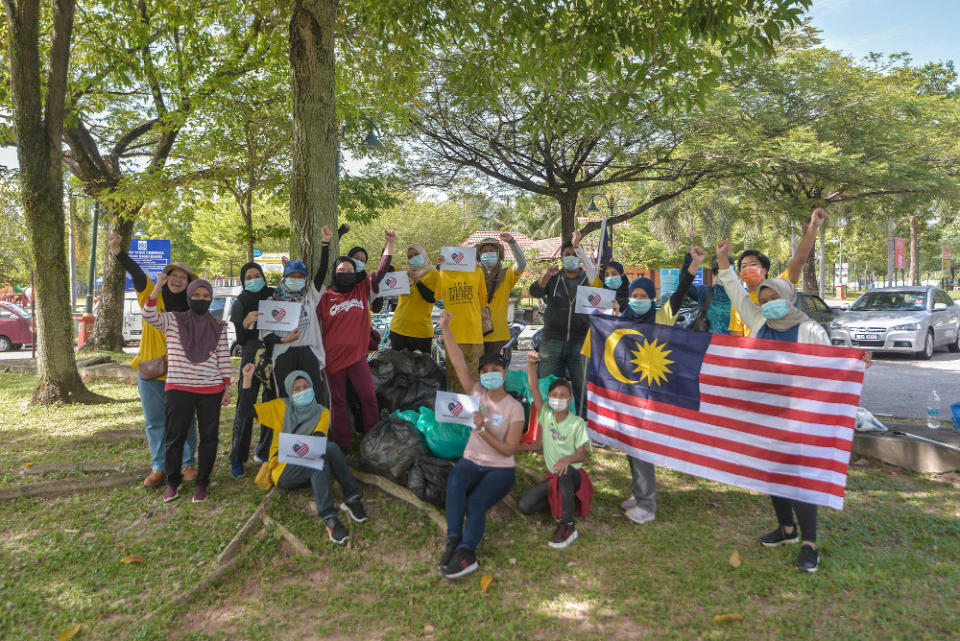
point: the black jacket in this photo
(559, 319)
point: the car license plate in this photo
(866, 337)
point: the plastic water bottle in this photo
(933, 410)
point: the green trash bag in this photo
(516, 381)
(410, 416)
(444, 440)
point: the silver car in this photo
(912, 320)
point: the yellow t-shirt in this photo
(464, 295)
(498, 307)
(271, 414)
(412, 317)
(153, 342)
(736, 324)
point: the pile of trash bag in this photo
(405, 380)
(428, 479)
(391, 447)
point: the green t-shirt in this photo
(561, 439)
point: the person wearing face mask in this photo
(563, 330)
(486, 472)
(564, 438)
(412, 324)
(344, 313)
(299, 413)
(754, 266)
(150, 362)
(641, 506)
(610, 276)
(775, 317)
(499, 281)
(244, 315)
(198, 380)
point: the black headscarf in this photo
(344, 282)
(622, 291)
(250, 300)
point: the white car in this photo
(223, 298)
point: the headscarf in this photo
(417, 274)
(622, 291)
(297, 419)
(787, 292)
(251, 300)
(340, 284)
(281, 292)
(493, 275)
(199, 333)
(178, 302)
(646, 285)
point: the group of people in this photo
(305, 377)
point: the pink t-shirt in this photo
(498, 417)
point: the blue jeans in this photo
(294, 476)
(471, 491)
(563, 359)
(155, 418)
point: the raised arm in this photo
(795, 268)
(139, 278)
(538, 288)
(686, 278)
(384, 266)
(455, 354)
(326, 235)
(533, 378)
(588, 265)
(519, 260)
(160, 320)
(748, 310)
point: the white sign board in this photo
(456, 408)
(276, 315)
(394, 284)
(591, 300)
(459, 259)
(302, 450)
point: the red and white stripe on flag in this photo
(775, 417)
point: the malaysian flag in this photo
(772, 416)
(605, 246)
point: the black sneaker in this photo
(464, 562)
(565, 534)
(335, 530)
(808, 560)
(779, 537)
(354, 508)
(448, 552)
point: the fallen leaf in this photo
(28, 464)
(727, 618)
(69, 632)
(485, 582)
(133, 558)
(735, 559)
(71, 531)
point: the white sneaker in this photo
(257, 460)
(640, 515)
(629, 503)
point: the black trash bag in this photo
(405, 380)
(391, 447)
(428, 479)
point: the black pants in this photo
(537, 498)
(181, 408)
(806, 516)
(303, 358)
(399, 341)
(243, 424)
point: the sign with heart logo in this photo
(594, 300)
(459, 259)
(394, 284)
(278, 313)
(280, 316)
(300, 449)
(456, 408)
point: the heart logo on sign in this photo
(457, 257)
(278, 313)
(390, 281)
(594, 299)
(455, 407)
(300, 449)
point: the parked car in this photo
(15, 327)
(223, 298)
(900, 319)
(132, 317)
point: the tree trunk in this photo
(108, 328)
(912, 275)
(568, 214)
(248, 221)
(313, 180)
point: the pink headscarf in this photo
(199, 333)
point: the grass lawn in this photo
(889, 568)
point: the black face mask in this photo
(345, 280)
(199, 306)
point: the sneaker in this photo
(190, 473)
(779, 537)
(464, 562)
(257, 459)
(335, 530)
(629, 503)
(640, 515)
(565, 534)
(354, 508)
(154, 479)
(172, 494)
(237, 471)
(808, 560)
(200, 494)
(448, 552)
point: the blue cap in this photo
(295, 266)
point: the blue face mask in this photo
(640, 305)
(254, 285)
(613, 282)
(359, 265)
(571, 263)
(417, 261)
(775, 309)
(489, 259)
(294, 284)
(491, 380)
(303, 398)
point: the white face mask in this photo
(558, 404)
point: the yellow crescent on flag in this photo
(610, 347)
